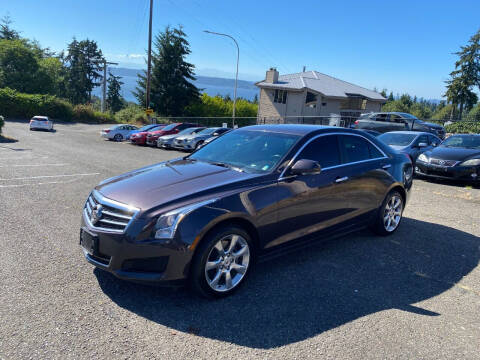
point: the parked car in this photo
(456, 158)
(140, 138)
(209, 216)
(411, 143)
(211, 138)
(142, 129)
(41, 123)
(192, 142)
(397, 121)
(170, 129)
(166, 141)
(118, 132)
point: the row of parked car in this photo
(180, 136)
(457, 157)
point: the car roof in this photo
(293, 129)
(409, 132)
(40, 117)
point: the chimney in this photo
(304, 68)
(272, 76)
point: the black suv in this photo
(397, 121)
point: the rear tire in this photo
(118, 137)
(389, 215)
(222, 262)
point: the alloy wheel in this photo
(227, 263)
(393, 213)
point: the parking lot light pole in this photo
(236, 73)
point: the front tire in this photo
(222, 262)
(389, 215)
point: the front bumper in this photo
(461, 173)
(137, 140)
(146, 261)
(152, 141)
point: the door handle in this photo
(387, 166)
(341, 179)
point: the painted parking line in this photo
(32, 165)
(50, 176)
(39, 183)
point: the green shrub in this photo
(464, 127)
(2, 122)
(132, 114)
(19, 105)
(85, 113)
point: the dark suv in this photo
(397, 121)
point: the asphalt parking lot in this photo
(415, 294)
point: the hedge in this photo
(20, 105)
(464, 127)
(85, 113)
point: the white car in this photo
(41, 123)
(118, 132)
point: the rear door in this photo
(381, 123)
(397, 123)
(365, 171)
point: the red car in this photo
(140, 138)
(171, 129)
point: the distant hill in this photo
(211, 85)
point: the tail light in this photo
(356, 122)
(31, 121)
(106, 131)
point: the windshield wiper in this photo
(225, 165)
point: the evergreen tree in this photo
(6, 32)
(171, 89)
(84, 69)
(390, 97)
(255, 99)
(139, 92)
(114, 99)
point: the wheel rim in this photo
(118, 137)
(227, 263)
(392, 213)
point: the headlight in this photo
(471, 162)
(423, 158)
(167, 223)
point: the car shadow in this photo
(453, 183)
(310, 291)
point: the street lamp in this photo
(236, 74)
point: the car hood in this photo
(432, 125)
(451, 153)
(173, 181)
(168, 137)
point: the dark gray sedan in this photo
(412, 143)
(167, 140)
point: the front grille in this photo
(448, 163)
(105, 214)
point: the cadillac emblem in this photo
(96, 214)
(442, 162)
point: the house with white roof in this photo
(297, 97)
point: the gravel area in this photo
(415, 294)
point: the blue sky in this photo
(404, 46)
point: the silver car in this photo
(118, 132)
(192, 142)
(411, 143)
(166, 141)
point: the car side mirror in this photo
(422, 145)
(306, 167)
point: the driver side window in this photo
(324, 150)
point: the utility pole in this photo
(104, 82)
(236, 74)
(149, 61)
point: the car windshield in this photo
(247, 150)
(146, 127)
(397, 139)
(170, 127)
(208, 131)
(463, 141)
(188, 131)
